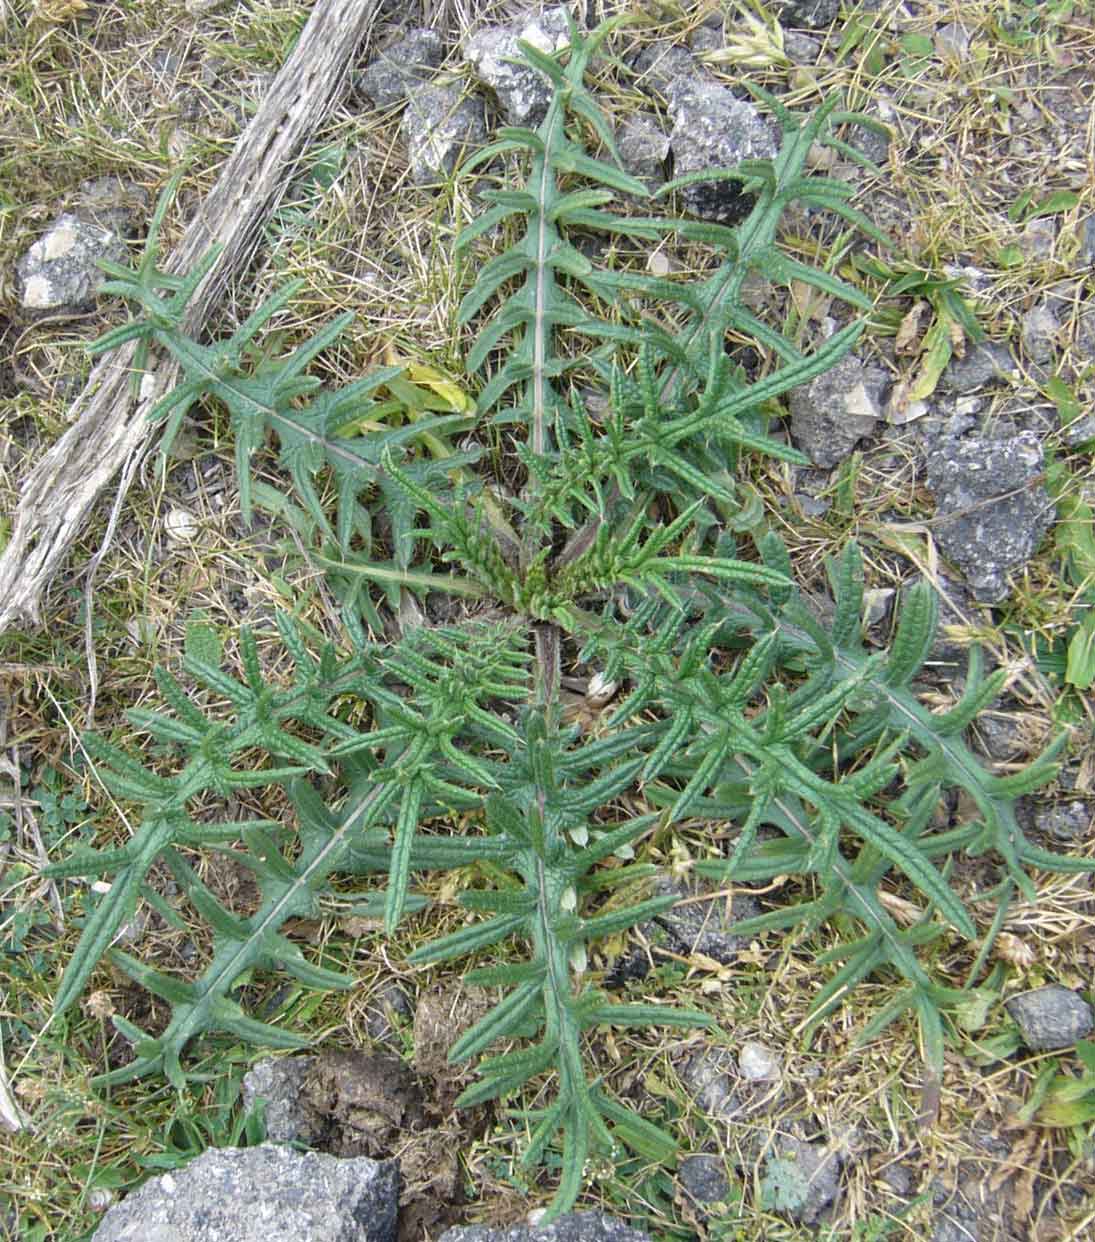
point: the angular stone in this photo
(59, 271)
(523, 92)
(712, 129)
(706, 39)
(1040, 333)
(984, 362)
(809, 1177)
(1067, 821)
(571, 1227)
(1051, 1017)
(1000, 739)
(438, 124)
(801, 49)
(1087, 242)
(704, 926)
(808, 14)
(710, 1077)
(276, 1083)
(399, 68)
(757, 1062)
(703, 1178)
(833, 412)
(261, 1194)
(1038, 238)
(660, 63)
(991, 511)
(643, 149)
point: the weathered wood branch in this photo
(109, 424)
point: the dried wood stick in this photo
(110, 425)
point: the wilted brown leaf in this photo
(904, 912)
(908, 333)
(1012, 949)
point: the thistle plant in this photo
(616, 553)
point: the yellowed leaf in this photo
(810, 303)
(430, 378)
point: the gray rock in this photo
(523, 92)
(713, 129)
(1051, 1017)
(698, 928)
(278, 1082)
(872, 143)
(757, 1062)
(110, 202)
(953, 40)
(835, 410)
(899, 1178)
(390, 1002)
(706, 39)
(808, 14)
(812, 506)
(643, 148)
(1087, 243)
(801, 49)
(1040, 333)
(59, 271)
(703, 1178)
(956, 1218)
(1038, 238)
(398, 69)
(660, 63)
(1000, 738)
(437, 125)
(958, 1224)
(1066, 821)
(991, 513)
(1079, 431)
(711, 1079)
(261, 1194)
(984, 362)
(1083, 342)
(572, 1227)
(800, 1179)
(702, 927)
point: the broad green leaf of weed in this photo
(1064, 398)
(202, 641)
(1080, 666)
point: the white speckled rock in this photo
(59, 270)
(261, 1194)
(523, 92)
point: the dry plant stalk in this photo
(110, 424)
